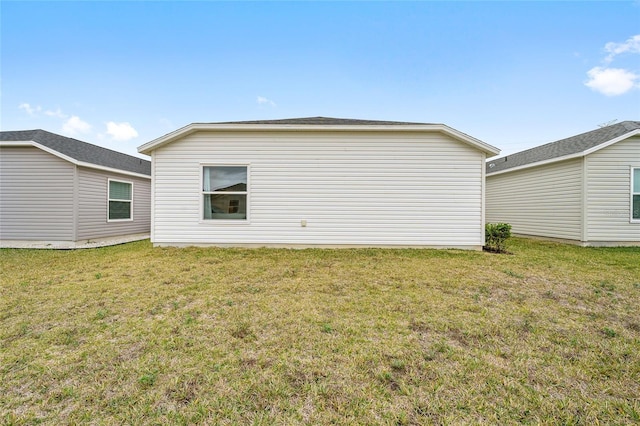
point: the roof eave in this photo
(536, 164)
(197, 127)
(612, 141)
(566, 157)
(73, 160)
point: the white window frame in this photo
(109, 180)
(246, 193)
(634, 170)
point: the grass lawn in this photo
(138, 335)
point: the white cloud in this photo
(75, 125)
(631, 45)
(56, 113)
(29, 109)
(33, 111)
(264, 101)
(612, 81)
(615, 81)
(121, 131)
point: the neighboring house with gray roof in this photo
(59, 189)
(584, 189)
(318, 182)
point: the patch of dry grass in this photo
(140, 335)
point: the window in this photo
(224, 189)
(635, 194)
(120, 200)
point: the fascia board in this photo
(39, 146)
(612, 141)
(482, 146)
(536, 164)
(168, 138)
(566, 157)
(111, 170)
(73, 160)
(195, 127)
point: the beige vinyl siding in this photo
(372, 189)
(543, 201)
(608, 192)
(36, 195)
(92, 205)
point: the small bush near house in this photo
(496, 236)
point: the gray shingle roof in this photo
(81, 151)
(563, 147)
(323, 121)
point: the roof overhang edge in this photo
(565, 157)
(197, 127)
(73, 160)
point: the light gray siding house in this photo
(318, 182)
(55, 189)
(584, 189)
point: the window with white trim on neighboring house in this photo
(224, 191)
(635, 194)
(120, 201)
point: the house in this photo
(318, 182)
(584, 189)
(58, 189)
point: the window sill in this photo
(226, 222)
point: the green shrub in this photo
(496, 235)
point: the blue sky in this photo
(513, 74)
